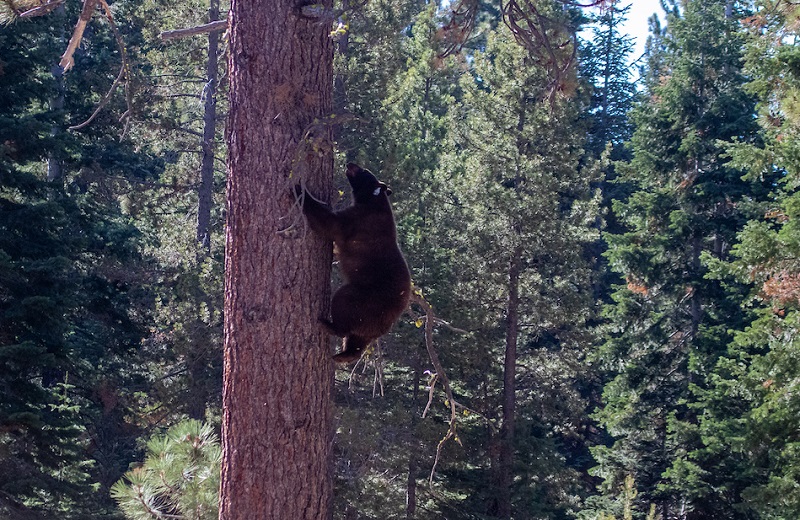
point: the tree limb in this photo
(122, 71)
(416, 297)
(219, 25)
(41, 10)
(67, 62)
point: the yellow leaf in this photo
(418, 323)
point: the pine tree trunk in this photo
(277, 429)
(55, 160)
(504, 509)
(198, 396)
(206, 190)
(411, 476)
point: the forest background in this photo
(614, 253)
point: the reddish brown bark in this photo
(277, 417)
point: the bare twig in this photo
(377, 380)
(103, 102)
(219, 25)
(431, 389)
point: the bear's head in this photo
(364, 184)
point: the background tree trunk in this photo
(504, 509)
(206, 191)
(277, 417)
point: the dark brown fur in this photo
(377, 281)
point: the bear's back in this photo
(367, 248)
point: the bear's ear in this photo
(382, 188)
(353, 169)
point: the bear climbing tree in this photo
(378, 284)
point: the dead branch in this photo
(430, 320)
(547, 40)
(123, 72)
(219, 25)
(10, 10)
(103, 102)
(416, 297)
(41, 10)
(67, 62)
(455, 33)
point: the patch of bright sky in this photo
(636, 24)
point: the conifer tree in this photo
(750, 418)
(605, 63)
(276, 284)
(669, 324)
(68, 327)
(526, 211)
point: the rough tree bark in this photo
(277, 415)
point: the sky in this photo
(636, 25)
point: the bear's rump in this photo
(367, 311)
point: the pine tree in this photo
(669, 324)
(276, 285)
(750, 417)
(179, 477)
(526, 212)
(68, 327)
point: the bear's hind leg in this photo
(353, 349)
(333, 329)
(348, 311)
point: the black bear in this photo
(377, 281)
